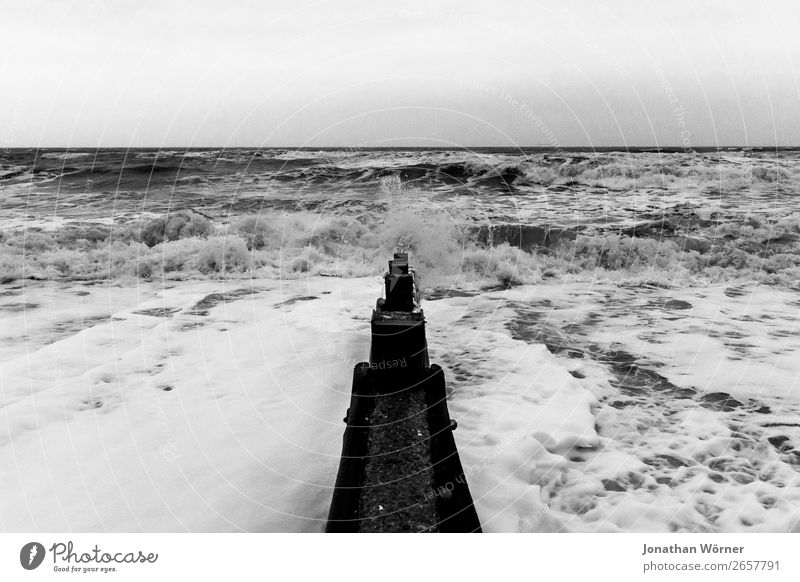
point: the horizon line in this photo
(7, 149)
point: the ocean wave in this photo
(483, 176)
(447, 253)
(64, 155)
(466, 216)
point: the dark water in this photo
(563, 187)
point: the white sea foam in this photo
(217, 406)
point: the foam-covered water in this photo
(617, 329)
(200, 405)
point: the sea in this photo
(618, 329)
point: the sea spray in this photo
(469, 218)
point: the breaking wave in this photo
(186, 244)
(469, 218)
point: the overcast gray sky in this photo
(389, 73)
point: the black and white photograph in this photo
(393, 267)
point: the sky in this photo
(119, 73)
